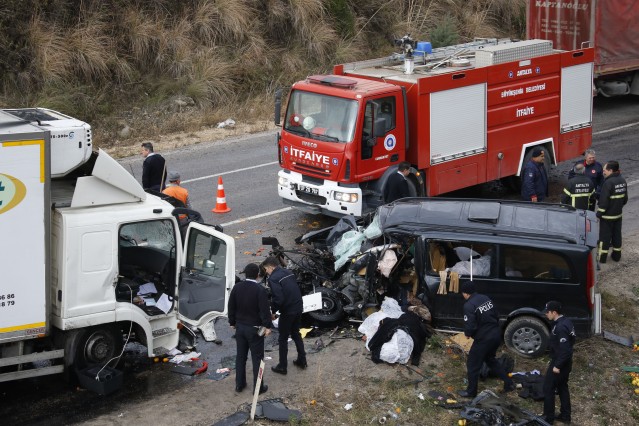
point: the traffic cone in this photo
(220, 202)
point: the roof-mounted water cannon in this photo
(407, 46)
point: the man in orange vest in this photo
(174, 189)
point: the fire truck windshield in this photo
(321, 117)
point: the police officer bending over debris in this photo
(286, 298)
(562, 340)
(481, 322)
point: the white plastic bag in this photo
(371, 324)
(390, 308)
(397, 349)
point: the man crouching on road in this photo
(481, 322)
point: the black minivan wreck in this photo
(418, 251)
(520, 254)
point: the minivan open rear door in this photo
(207, 276)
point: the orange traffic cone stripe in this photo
(220, 201)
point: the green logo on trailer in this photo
(12, 192)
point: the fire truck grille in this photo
(303, 168)
(313, 180)
(311, 198)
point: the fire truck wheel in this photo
(527, 336)
(412, 187)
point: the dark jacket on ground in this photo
(534, 181)
(286, 294)
(396, 188)
(562, 339)
(579, 193)
(481, 318)
(248, 305)
(614, 195)
(152, 172)
(594, 172)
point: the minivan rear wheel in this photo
(527, 336)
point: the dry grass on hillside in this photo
(114, 61)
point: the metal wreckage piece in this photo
(351, 265)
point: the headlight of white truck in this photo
(346, 197)
(282, 181)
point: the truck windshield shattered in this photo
(321, 117)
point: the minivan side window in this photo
(535, 264)
(456, 257)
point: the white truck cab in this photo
(93, 259)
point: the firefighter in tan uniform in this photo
(614, 195)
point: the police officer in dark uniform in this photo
(286, 297)
(248, 309)
(562, 339)
(614, 195)
(580, 192)
(481, 322)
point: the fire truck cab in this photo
(460, 115)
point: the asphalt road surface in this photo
(248, 166)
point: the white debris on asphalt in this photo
(184, 357)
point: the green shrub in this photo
(445, 33)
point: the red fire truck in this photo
(461, 115)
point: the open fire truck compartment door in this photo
(457, 123)
(576, 97)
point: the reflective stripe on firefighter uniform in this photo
(579, 193)
(614, 195)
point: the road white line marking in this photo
(229, 172)
(634, 182)
(615, 129)
(258, 216)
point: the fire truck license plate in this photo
(307, 189)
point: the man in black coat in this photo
(248, 310)
(481, 322)
(397, 185)
(580, 191)
(534, 178)
(153, 169)
(286, 297)
(562, 339)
